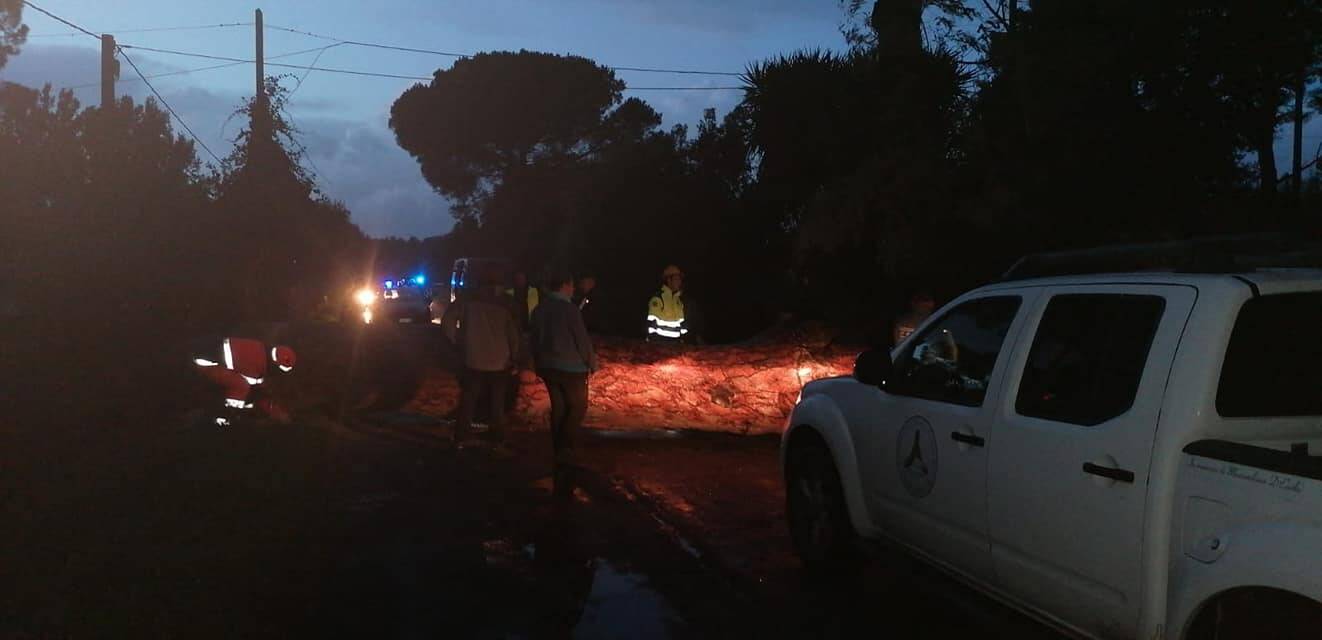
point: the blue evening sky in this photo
(343, 117)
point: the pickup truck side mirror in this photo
(874, 367)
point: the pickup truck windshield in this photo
(1273, 364)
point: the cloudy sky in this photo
(343, 117)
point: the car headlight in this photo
(365, 297)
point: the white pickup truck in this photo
(1121, 456)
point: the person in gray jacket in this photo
(486, 333)
(564, 357)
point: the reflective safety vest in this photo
(530, 302)
(665, 315)
(242, 365)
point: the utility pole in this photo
(260, 115)
(260, 59)
(109, 70)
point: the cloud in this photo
(360, 164)
(357, 163)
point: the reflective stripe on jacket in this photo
(665, 315)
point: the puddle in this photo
(623, 604)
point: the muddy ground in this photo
(359, 521)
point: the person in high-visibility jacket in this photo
(240, 368)
(524, 298)
(668, 317)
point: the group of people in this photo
(500, 329)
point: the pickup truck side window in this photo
(1088, 356)
(1273, 363)
(952, 360)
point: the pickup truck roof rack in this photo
(1213, 254)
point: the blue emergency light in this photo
(389, 284)
(420, 279)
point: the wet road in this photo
(376, 529)
(372, 527)
(373, 530)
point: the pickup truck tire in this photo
(823, 536)
(1241, 614)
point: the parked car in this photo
(396, 300)
(407, 301)
(1123, 455)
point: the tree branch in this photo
(996, 14)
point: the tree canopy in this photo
(948, 138)
(13, 33)
(483, 119)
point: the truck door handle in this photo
(968, 439)
(1110, 473)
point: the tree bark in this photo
(1265, 147)
(743, 389)
(899, 27)
(1297, 179)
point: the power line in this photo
(187, 54)
(206, 68)
(167, 106)
(373, 45)
(684, 88)
(451, 54)
(351, 72)
(303, 33)
(151, 29)
(275, 64)
(682, 71)
(309, 71)
(373, 74)
(62, 20)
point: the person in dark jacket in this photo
(564, 358)
(487, 335)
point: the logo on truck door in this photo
(915, 457)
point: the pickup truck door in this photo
(925, 456)
(1069, 458)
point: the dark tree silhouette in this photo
(951, 138)
(490, 116)
(13, 33)
(290, 247)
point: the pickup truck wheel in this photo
(823, 536)
(1258, 613)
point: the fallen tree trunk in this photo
(747, 388)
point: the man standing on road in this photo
(487, 335)
(564, 358)
(671, 316)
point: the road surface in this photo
(370, 526)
